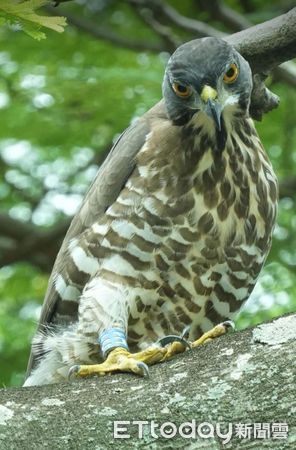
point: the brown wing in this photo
(104, 190)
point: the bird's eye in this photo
(181, 90)
(231, 75)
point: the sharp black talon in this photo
(185, 332)
(73, 371)
(144, 368)
(229, 324)
(172, 338)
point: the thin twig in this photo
(170, 42)
(200, 29)
(106, 34)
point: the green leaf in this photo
(23, 14)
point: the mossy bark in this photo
(245, 377)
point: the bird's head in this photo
(207, 77)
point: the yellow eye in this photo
(181, 90)
(231, 75)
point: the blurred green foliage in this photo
(62, 101)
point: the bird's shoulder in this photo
(104, 190)
(107, 185)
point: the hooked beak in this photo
(212, 108)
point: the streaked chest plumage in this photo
(190, 231)
(188, 234)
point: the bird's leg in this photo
(119, 359)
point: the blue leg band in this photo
(112, 338)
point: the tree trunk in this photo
(244, 378)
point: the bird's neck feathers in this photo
(195, 146)
(233, 124)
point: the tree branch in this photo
(13, 228)
(25, 241)
(288, 187)
(106, 34)
(246, 377)
(57, 2)
(265, 46)
(285, 72)
(237, 22)
(170, 42)
(268, 44)
(200, 29)
(28, 243)
(219, 11)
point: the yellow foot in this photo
(120, 360)
(215, 332)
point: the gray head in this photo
(206, 77)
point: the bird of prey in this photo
(173, 232)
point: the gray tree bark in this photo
(245, 377)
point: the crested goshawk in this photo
(172, 233)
